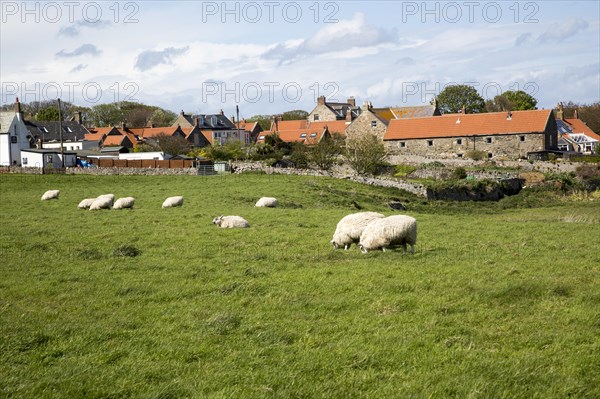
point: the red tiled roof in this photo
(448, 125)
(338, 127)
(146, 132)
(94, 136)
(311, 135)
(578, 126)
(113, 140)
(101, 130)
(289, 125)
(208, 134)
(247, 126)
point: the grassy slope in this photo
(495, 303)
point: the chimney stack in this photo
(79, 117)
(196, 121)
(222, 113)
(123, 126)
(182, 113)
(560, 113)
(349, 115)
(576, 115)
(233, 119)
(366, 106)
(352, 101)
(18, 109)
(321, 100)
(463, 109)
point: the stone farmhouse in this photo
(328, 111)
(216, 128)
(509, 135)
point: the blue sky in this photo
(273, 56)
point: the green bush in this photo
(476, 155)
(403, 170)
(459, 173)
(432, 165)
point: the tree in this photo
(511, 101)
(106, 115)
(162, 117)
(173, 145)
(263, 120)
(364, 153)
(294, 115)
(324, 153)
(47, 114)
(453, 98)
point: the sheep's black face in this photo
(335, 244)
(362, 248)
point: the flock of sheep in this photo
(370, 230)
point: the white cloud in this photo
(81, 50)
(558, 32)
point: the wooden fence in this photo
(145, 163)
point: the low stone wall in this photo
(105, 171)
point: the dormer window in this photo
(303, 135)
(313, 135)
(261, 137)
(213, 120)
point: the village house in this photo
(328, 111)
(14, 136)
(574, 135)
(367, 122)
(45, 158)
(509, 135)
(303, 130)
(47, 134)
(252, 129)
(418, 111)
(216, 128)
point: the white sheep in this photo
(122, 203)
(50, 194)
(389, 231)
(111, 196)
(102, 202)
(350, 227)
(173, 201)
(266, 202)
(86, 203)
(231, 222)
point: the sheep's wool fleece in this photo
(122, 203)
(101, 203)
(350, 227)
(86, 203)
(267, 202)
(173, 201)
(50, 194)
(395, 229)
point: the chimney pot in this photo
(222, 113)
(18, 106)
(576, 115)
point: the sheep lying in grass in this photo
(173, 201)
(267, 202)
(389, 231)
(122, 203)
(231, 222)
(102, 202)
(50, 194)
(86, 203)
(350, 227)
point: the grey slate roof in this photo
(211, 121)
(49, 131)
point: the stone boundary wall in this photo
(106, 171)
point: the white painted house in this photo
(14, 137)
(37, 158)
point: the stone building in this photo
(328, 111)
(417, 111)
(367, 122)
(508, 135)
(574, 136)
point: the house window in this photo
(313, 135)
(13, 139)
(429, 143)
(488, 140)
(302, 135)
(49, 158)
(459, 155)
(24, 161)
(522, 139)
(490, 155)
(373, 123)
(458, 141)
(402, 144)
(316, 117)
(261, 137)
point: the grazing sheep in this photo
(266, 202)
(86, 203)
(122, 203)
(102, 202)
(350, 227)
(111, 196)
(173, 201)
(231, 222)
(50, 194)
(393, 230)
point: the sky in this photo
(269, 57)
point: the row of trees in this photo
(453, 98)
(112, 114)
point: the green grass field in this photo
(497, 301)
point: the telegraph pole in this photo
(60, 132)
